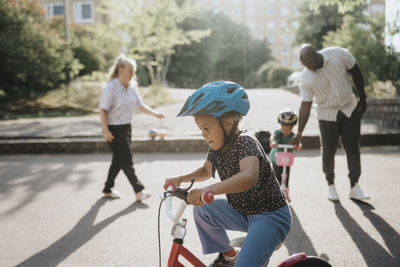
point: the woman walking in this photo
(118, 101)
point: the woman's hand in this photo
(159, 115)
(176, 181)
(108, 136)
(194, 197)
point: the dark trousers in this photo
(121, 158)
(349, 131)
(278, 172)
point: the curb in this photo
(98, 145)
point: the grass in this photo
(80, 97)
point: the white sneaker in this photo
(142, 195)
(332, 194)
(357, 193)
(113, 195)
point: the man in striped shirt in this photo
(325, 81)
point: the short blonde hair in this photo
(120, 62)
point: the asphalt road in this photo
(52, 213)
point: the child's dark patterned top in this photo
(266, 194)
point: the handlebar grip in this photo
(173, 187)
(207, 197)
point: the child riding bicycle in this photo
(254, 202)
(287, 118)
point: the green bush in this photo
(277, 76)
(34, 59)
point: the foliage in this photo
(34, 59)
(229, 53)
(365, 41)
(151, 31)
(277, 75)
(316, 22)
(343, 5)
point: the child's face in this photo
(210, 130)
(286, 129)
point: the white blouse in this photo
(120, 102)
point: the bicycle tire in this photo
(312, 261)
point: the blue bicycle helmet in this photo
(215, 99)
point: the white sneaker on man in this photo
(332, 194)
(357, 193)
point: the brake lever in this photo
(182, 193)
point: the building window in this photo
(285, 37)
(236, 12)
(83, 12)
(251, 24)
(271, 24)
(271, 11)
(285, 51)
(54, 9)
(251, 12)
(284, 11)
(379, 8)
(271, 38)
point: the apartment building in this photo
(273, 20)
(79, 11)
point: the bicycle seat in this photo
(238, 242)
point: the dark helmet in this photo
(287, 117)
(215, 99)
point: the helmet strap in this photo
(227, 140)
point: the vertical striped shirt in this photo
(120, 102)
(330, 86)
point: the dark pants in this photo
(122, 158)
(349, 131)
(278, 172)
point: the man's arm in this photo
(358, 80)
(304, 114)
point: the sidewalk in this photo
(84, 133)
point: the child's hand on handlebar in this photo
(194, 197)
(175, 181)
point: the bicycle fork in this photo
(178, 232)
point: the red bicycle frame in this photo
(177, 250)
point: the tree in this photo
(316, 22)
(151, 32)
(34, 59)
(365, 41)
(229, 53)
(344, 6)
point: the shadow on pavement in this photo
(83, 232)
(389, 235)
(37, 177)
(298, 240)
(373, 253)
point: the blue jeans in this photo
(265, 231)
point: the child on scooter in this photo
(254, 202)
(287, 118)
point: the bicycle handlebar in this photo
(285, 146)
(206, 198)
